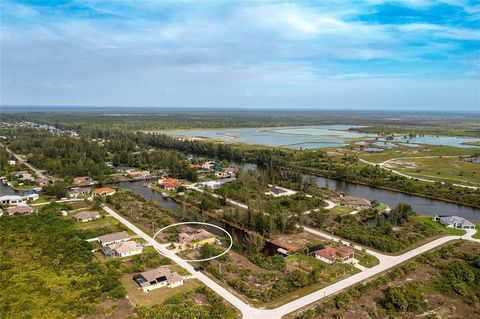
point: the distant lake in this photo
(299, 137)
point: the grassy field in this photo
(342, 209)
(430, 150)
(157, 296)
(452, 169)
(445, 230)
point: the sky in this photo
(345, 54)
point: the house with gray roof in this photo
(454, 222)
(157, 278)
(114, 238)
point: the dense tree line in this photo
(62, 155)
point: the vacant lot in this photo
(445, 281)
(450, 169)
(430, 150)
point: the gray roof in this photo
(87, 215)
(114, 237)
(455, 220)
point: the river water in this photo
(421, 205)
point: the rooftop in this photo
(114, 237)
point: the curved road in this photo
(249, 312)
(409, 176)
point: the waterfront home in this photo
(195, 238)
(12, 200)
(19, 210)
(208, 165)
(83, 180)
(139, 174)
(122, 249)
(87, 216)
(79, 191)
(333, 254)
(454, 222)
(42, 181)
(104, 191)
(217, 183)
(169, 183)
(157, 278)
(114, 238)
(357, 203)
(18, 200)
(226, 172)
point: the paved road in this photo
(409, 176)
(249, 312)
(21, 160)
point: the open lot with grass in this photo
(451, 169)
(430, 150)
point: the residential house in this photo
(169, 183)
(42, 181)
(357, 203)
(334, 254)
(195, 166)
(19, 210)
(79, 191)
(18, 200)
(104, 191)
(276, 192)
(114, 238)
(30, 196)
(226, 172)
(11, 200)
(87, 216)
(157, 278)
(195, 238)
(122, 249)
(217, 183)
(83, 180)
(208, 165)
(139, 174)
(454, 222)
(11, 162)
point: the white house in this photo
(11, 200)
(114, 238)
(157, 278)
(122, 249)
(454, 222)
(217, 183)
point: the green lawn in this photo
(365, 259)
(437, 225)
(477, 234)
(429, 150)
(342, 209)
(450, 169)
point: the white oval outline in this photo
(195, 223)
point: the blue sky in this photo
(372, 54)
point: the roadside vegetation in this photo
(440, 284)
(387, 232)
